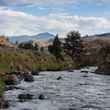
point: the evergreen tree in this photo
(56, 49)
(73, 44)
(36, 47)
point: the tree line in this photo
(71, 45)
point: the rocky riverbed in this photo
(66, 90)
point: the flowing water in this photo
(75, 91)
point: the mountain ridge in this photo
(25, 38)
(97, 36)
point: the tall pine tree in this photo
(56, 49)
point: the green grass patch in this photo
(4, 67)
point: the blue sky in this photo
(81, 9)
(30, 17)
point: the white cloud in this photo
(19, 23)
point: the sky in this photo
(30, 17)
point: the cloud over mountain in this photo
(20, 23)
(18, 19)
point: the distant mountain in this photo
(25, 38)
(103, 35)
(97, 36)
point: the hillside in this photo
(97, 36)
(25, 38)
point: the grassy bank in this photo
(27, 60)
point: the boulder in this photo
(85, 75)
(11, 80)
(26, 109)
(41, 97)
(103, 70)
(84, 71)
(4, 104)
(70, 70)
(35, 72)
(11, 87)
(59, 78)
(25, 97)
(28, 77)
(72, 109)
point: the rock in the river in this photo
(25, 97)
(4, 104)
(85, 75)
(35, 72)
(26, 109)
(41, 97)
(28, 77)
(11, 80)
(11, 87)
(19, 74)
(72, 109)
(70, 70)
(103, 69)
(59, 78)
(84, 71)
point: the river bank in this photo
(28, 60)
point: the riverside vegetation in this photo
(26, 58)
(70, 54)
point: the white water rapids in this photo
(73, 92)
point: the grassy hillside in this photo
(27, 60)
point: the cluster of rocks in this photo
(27, 96)
(14, 78)
(24, 97)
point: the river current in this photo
(75, 91)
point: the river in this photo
(75, 91)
